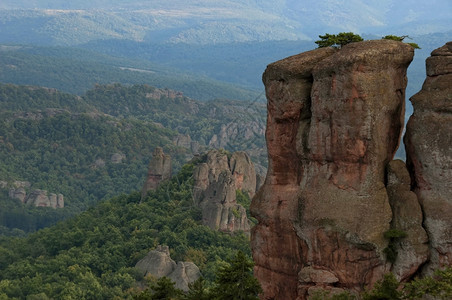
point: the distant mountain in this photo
(207, 22)
(78, 70)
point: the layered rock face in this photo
(39, 198)
(159, 169)
(216, 181)
(158, 263)
(407, 217)
(334, 123)
(428, 143)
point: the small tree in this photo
(236, 281)
(400, 39)
(338, 40)
(384, 289)
(438, 286)
(162, 289)
(197, 291)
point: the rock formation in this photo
(18, 193)
(117, 158)
(158, 263)
(407, 217)
(428, 143)
(216, 180)
(39, 198)
(334, 123)
(159, 169)
(184, 140)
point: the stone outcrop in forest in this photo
(159, 169)
(335, 119)
(20, 190)
(158, 263)
(428, 143)
(216, 180)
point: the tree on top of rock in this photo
(338, 40)
(400, 39)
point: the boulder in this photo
(184, 274)
(117, 158)
(159, 169)
(428, 143)
(158, 263)
(334, 122)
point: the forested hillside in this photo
(99, 145)
(92, 256)
(75, 71)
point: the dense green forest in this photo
(92, 256)
(64, 143)
(75, 71)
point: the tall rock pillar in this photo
(159, 169)
(428, 143)
(334, 122)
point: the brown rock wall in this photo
(428, 143)
(216, 181)
(334, 122)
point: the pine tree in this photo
(235, 281)
(197, 291)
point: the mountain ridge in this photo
(207, 22)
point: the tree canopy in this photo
(338, 40)
(344, 38)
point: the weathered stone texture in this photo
(412, 250)
(216, 181)
(334, 122)
(428, 143)
(159, 169)
(158, 263)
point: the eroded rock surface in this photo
(216, 180)
(39, 198)
(159, 169)
(412, 250)
(334, 122)
(158, 263)
(428, 143)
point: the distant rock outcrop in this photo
(117, 158)
(334, 123)
(159, 169)
(428, 143)
(184, 140)
(39, 198)
(158, 263)
(216, 180)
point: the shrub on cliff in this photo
(338, 40)
(400, 39)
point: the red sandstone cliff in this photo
(334, 123)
